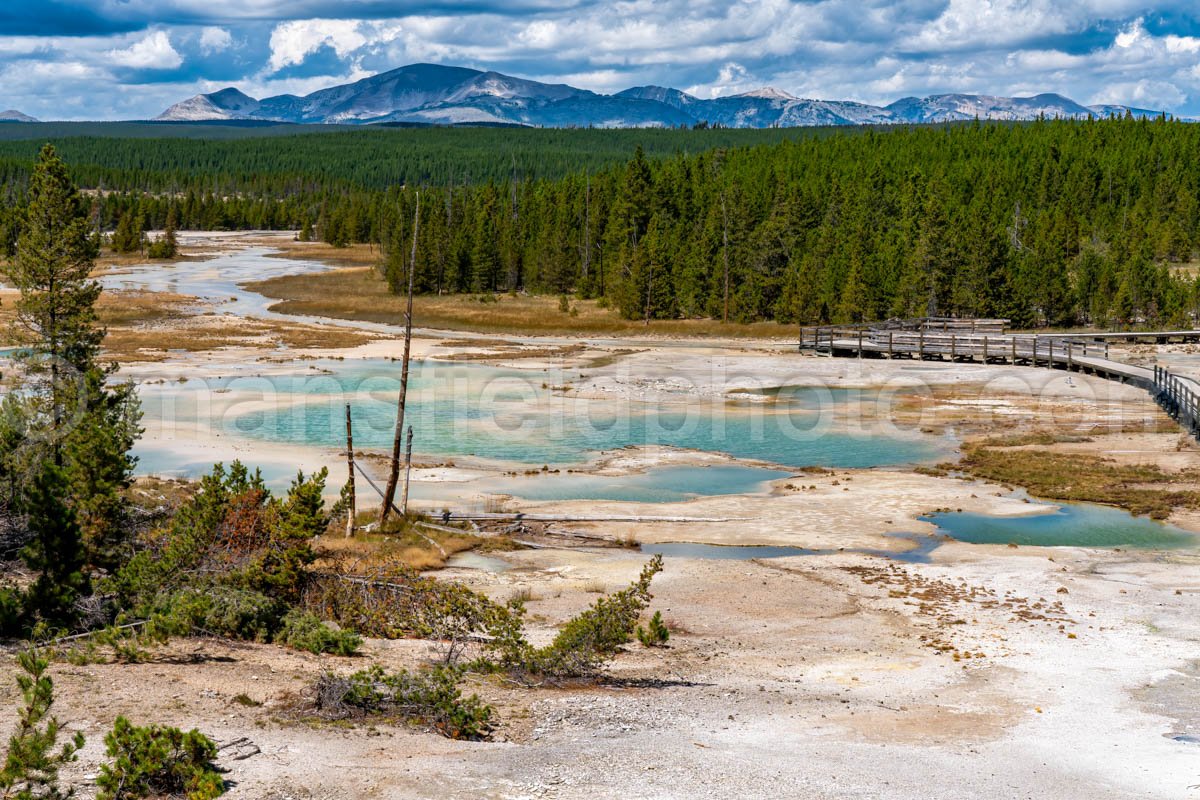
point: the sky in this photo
(130, 59)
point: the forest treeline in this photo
(1048, 223)
(304, 159)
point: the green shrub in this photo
(585, 643)
(158, 761)
(656, 633)
(305, 631)
(429, 697)
(10, 611)
(126, 643)
(233, 534)
(33, 758)
(223, 611)
(393, 601)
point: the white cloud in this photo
(732, 78)
(869, 50)
(153, 52)
(292, 42)
(1144, 93)
(215, 40)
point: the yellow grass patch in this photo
(415, 549)
(361, 294)
(355, 255)
(197, 334)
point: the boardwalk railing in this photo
(1035, 349)
(1178, 397)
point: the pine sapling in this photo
(34, 757)
(656, 634)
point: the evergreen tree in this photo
(167, 245)
(129, 236)
(55, 550)
(485, 256)
(65, 439)
(56, 309)
(31, 765)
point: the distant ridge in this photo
(13, 115)
(431, 94)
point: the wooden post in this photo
(407, 472)
(953, 349)
(1050, 356)
(890, 356)
(860, 342)
(1014, 350)
(921, 345)
(985, 348)
(352, 511)
(1070, 358)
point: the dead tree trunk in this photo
(407, 472)
(352, 511)
(389, 494)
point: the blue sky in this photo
(128, 59)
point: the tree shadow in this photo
(650, 683)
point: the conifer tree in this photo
(65, 441)
(167, 245)
(55, 550)
(56, 309)
(128, 236)
(33, 759)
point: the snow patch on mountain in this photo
(768, 93)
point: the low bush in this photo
(392, 601)
(223, 611)
(158, 761)
(429, 697)
(585, 643)
(655, 634)
(305, 631)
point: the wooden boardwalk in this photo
(1179, 396)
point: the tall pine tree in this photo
(67, 435)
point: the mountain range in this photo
(440, 95)
(12, 115)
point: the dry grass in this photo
(197, 334)
(355, 255)
(1140, 489)
(513, 353)
(421, 549)
(119, 309)
(361, 294)
(498, 544)
(523, 595)
(166, 493)
(120, 312)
